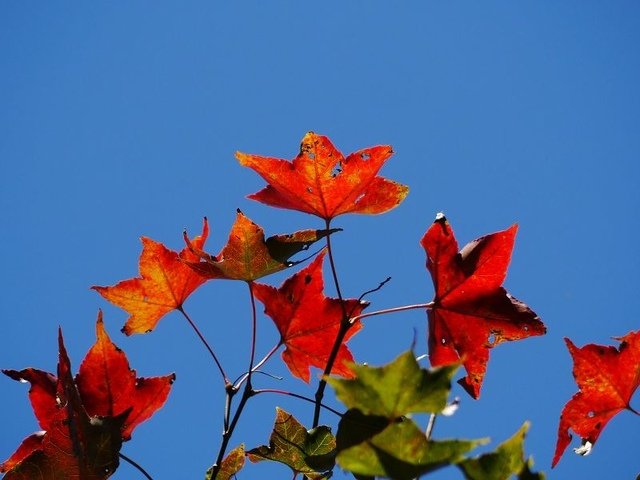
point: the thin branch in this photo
(231, 390)
(135, 465)
(345, 325)
(240, 380)
(206, 344)
(368, 292)
(301, 397)
(254, 327)
(247, 393)
(333, 267)
(416, 306)
(430, 425)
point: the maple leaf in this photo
(322, 182)
(607, 378)
(84, 421)
(248, 256)
(396, 389)
(308, 321)
(501, 464)
(373, 446)
(471, 312)
(164, 284)
(231, 465)
(376, 437)
(310, 452)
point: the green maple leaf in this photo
(505, 461)
(310, 452)
(399, 450)
(396, 389)
(231, 465)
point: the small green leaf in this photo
(400, 451)
(231, 465)
(527, 474)
(505, 461)
(396, 389)
(311, 453)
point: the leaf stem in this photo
(254, 328)
(135, 465)
(301, 397)
(231, 390)
(247, 393)
(206, 344)
(430, 425)
(384, 311)
(238, 383)
(345, 325)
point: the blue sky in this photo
(122, 120)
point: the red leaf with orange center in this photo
(164, 284)
(248, 256)
(471, 311)
(607, 378)
(308, 321)
(85, 420)
(321, 181)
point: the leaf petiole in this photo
(135, 465)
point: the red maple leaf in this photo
(164, 284)
(84, 421)
(607, 378)
(308, 321)
(471, 312)
(322, 182)
(248, 256)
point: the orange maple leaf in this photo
(308, 321)
(248, 256)
(607, 378)
(164, 284)
(471, 311)
(322, 182)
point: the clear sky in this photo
(121, 119)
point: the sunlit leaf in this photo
(322, 182)
(472, 313)
(308, 321)
(607, 378)
(310, 452)
(164, 284)
(396, 389)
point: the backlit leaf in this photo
(507, 460)
(231, 465)
(308, 321)
(85, 420)
(322, 182)
(607, 378)
(400, 451)
(164, 284)
(396, 389)
(248, 256)
(472, 313)
(310, 452)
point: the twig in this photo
(345, 325)
(301, 397)
(206, 344)
(430, 425)
(416, 306)
(135, 465)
